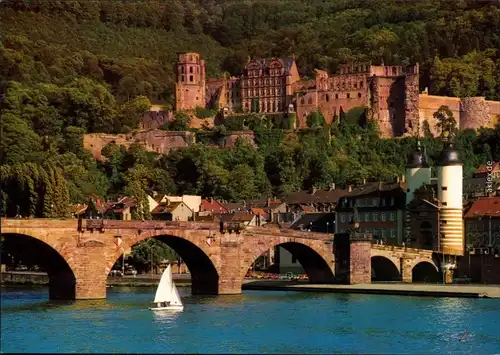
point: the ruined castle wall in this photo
(248, 136)
(494, 112)
(475, 113)
(153, 140)
(388, 104)
(412, 102)
(429, 104)
(329, 103)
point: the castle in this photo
(391, 93)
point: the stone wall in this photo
(153, 140)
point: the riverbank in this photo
(430, 290)
(41, 279)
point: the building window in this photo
(310, 101)
(445, 204)
(182, 70)
(348, 95)
(375, 202)
(190, 78)
(191, 70)
(444, 188)
(182, 78)
(367, 217)
(392, 216)
(360, 84)
(375, 216)
(336, 96)
(392, 201)
(393, 233)
(327, 98)
(359, 95)
(383, 202)
(383, 216)
(342, 218)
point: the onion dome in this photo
(417, 158)
(449, 156)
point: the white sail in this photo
(176, 299)
(164, 291)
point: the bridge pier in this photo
(406, 269)
(353, 257)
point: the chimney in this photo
(332, 186)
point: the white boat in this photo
(167, 297)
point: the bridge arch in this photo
(315, 257)
(195, 253)
(50, 258)
(385, 269)
(425, 271)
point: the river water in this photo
(254, 322)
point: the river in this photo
(254, 322)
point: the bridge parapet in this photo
(397, 249)
(147, 225)
(287, 233)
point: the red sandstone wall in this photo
(430, 104)
(154, 141)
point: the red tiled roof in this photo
(484, 168)
(258, 211)
(489, 206)
(213, 206)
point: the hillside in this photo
(73, 67)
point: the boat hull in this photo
(168, 308)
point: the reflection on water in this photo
(254, 322)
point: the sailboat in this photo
(167, 297)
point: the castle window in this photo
(348, 95)
(196, 97)
(182, 78)
(302, 101)
(190, 78)
(359, 94)
(310, 101)
(336, 96)
(360, 84)
(355, 85)
(191, 70)
(182, 70)
(327, 98)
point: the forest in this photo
(73, 67)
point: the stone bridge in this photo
(393, 263)
(79, 254)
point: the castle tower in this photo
(418, 173)
(412, 99)
(450, 186)
(190, 83)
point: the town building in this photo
(390, 93)
(172, 211)
(381, 207)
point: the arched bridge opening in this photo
(28, 253)
(204, 275)
(425, 272)
(383, 269)
(294, 258)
